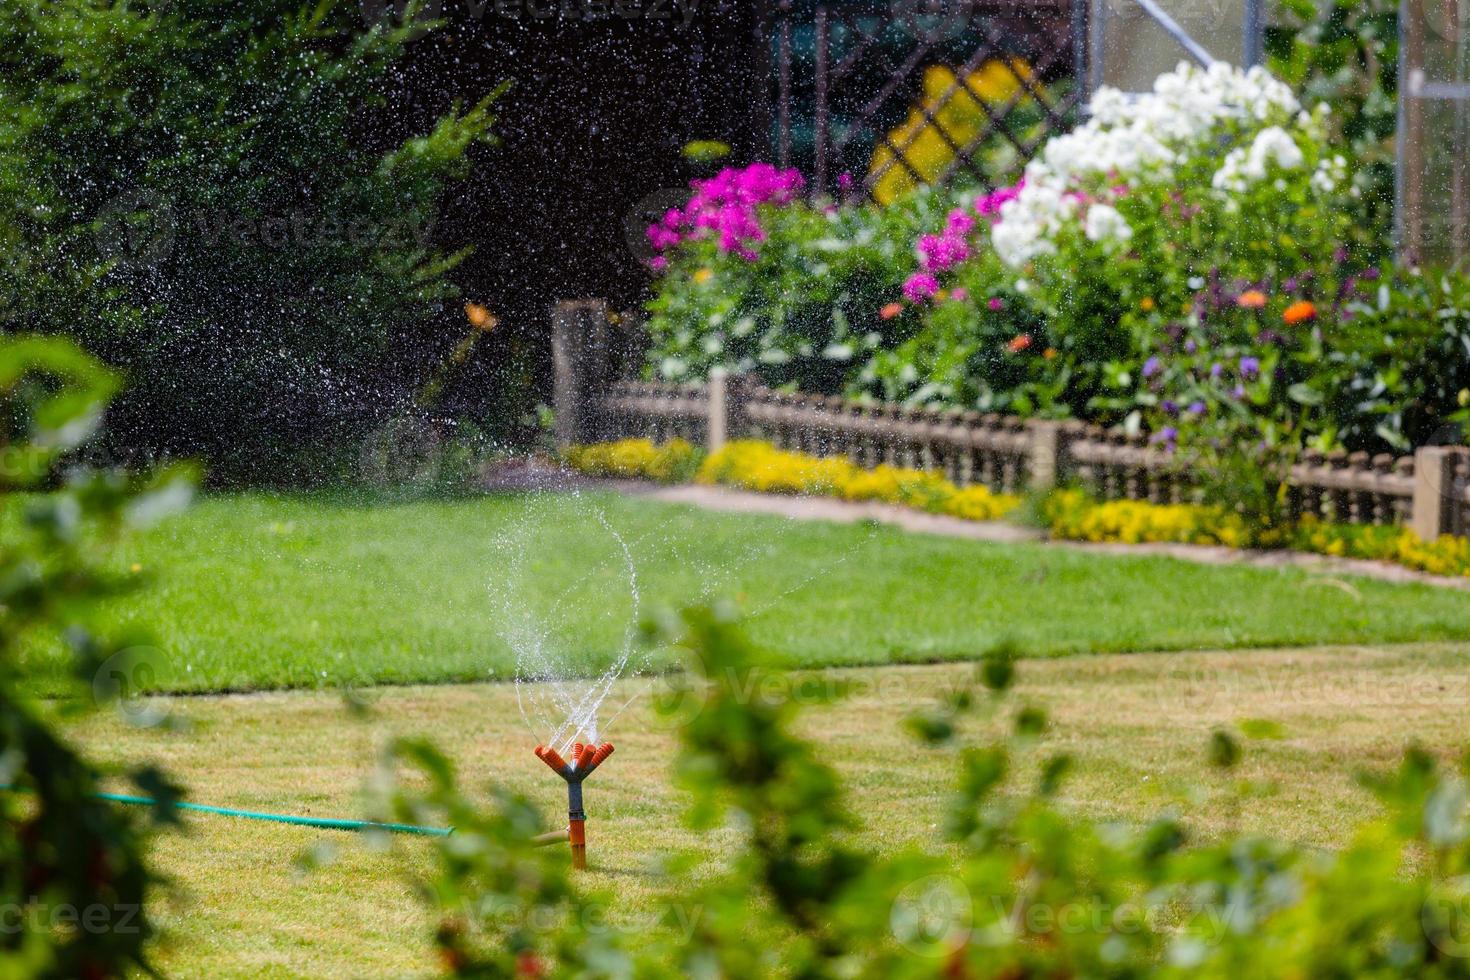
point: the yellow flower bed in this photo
(761, 466)
(1071, 515)
(1068, 514)
(672, 462)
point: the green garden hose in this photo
(323, 823)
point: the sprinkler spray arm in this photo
(584, 761)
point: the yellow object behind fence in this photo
(961, 116)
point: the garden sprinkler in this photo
(585, 758)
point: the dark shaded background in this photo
(593, 125)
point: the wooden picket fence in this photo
(1429, 490)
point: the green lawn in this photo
(256, 591)
(1136, 727)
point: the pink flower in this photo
(959, 222)
(726, 205)
(959, 294)
(938, 253)
(990, 204)
(919, 287)
(996, 304)
(658, 263)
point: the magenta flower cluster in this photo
(725, 205)
(940, 253)
(989, 205)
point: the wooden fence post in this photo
(1048, 449)
(727, 397)
(579, 361)
(1434, 503)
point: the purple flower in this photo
(1238, 391)
(1196, 407)
(658, 263)
(1190, 347)
(1169, 407)
(844, 181)
(1216, 370)
(919, 287)
(1151, 367)
(1250, 367)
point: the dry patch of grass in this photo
(1137, 725)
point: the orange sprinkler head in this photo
(585, 758)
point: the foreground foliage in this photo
(1026, 887)
(73, 875)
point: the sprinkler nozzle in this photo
(551, 758)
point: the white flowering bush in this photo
(1216, 171)
(1218, 176)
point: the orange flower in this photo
(1019, 343)
(479, 316)
(1251, 299)
(890, 311)
(1146, 304)
(1049, 353)
(703, 274)
(1299, 312)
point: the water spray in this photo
(585, 759)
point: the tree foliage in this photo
(201, 192)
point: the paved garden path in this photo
(537, 476)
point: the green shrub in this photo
(192, 190)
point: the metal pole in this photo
(819, 176)
(783, 137)
(1254, 30)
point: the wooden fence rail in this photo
(1429, 491)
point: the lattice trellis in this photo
(855, 71)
